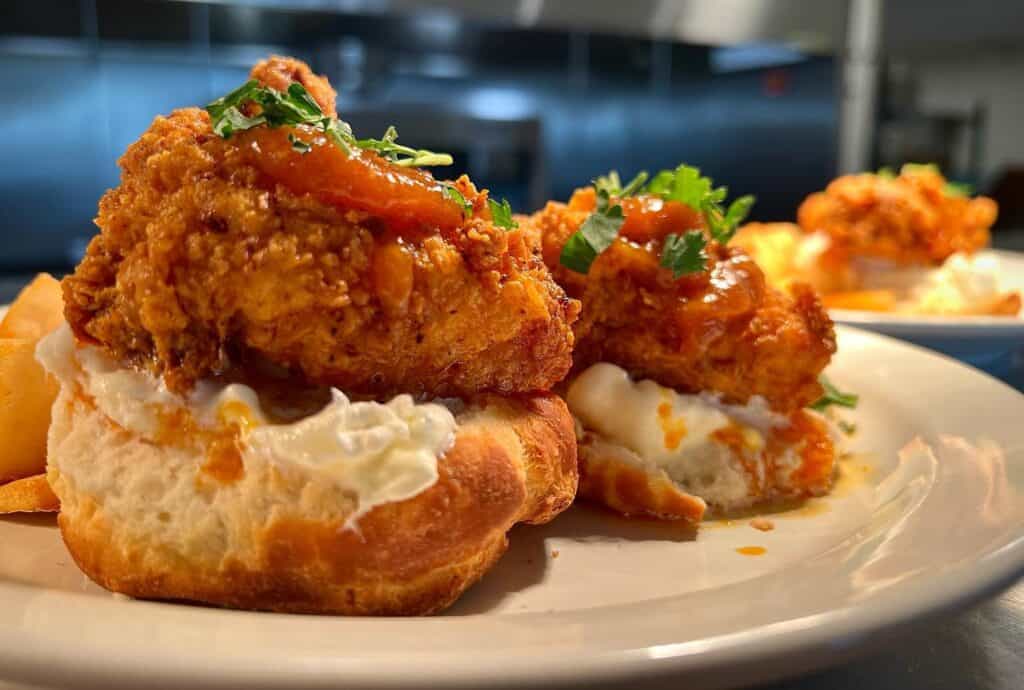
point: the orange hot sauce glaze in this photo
(647, 217)
(673, 429)
(818, 453)
(224, 461)
(752, 550)
(406, 199)
(652, 218)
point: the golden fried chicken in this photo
(721, 330)
(281, 72)
(339, 264)
(909, 219)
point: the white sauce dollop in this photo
(382, 452)
(133, 399)
(673, 431)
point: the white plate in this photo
(592, 596)
(978, 339)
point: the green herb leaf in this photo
(234, 120)
(301, 102)
(886, 173)
(954, 189)
(296, 107)
(918, 168)
(596, 234)
(243, 93)
(691, 188)
(662, 183)
(398, 154)
(960, 189)
(298, 144)
(686, 185)
(501, 214)
(611, 184)
(608, 184)
(723, 227)
(833, 396)
(634, 185)
(684, 254)
(456, 196)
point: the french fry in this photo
(29, 495)
(26, 391)
(26, 396)
(38, 310)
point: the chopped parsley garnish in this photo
(296, 107)
(952, 189)
(501, 214)
(611, 184)
(682, 254)
(919, 168)
(686, 185)
(848, 428)
(595, 235)
(833, 396)
(388, 147)
(958, 189)
(456, 196)
(298, 144)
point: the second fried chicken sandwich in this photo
(691, 375)
(907, 243)
(300, 374)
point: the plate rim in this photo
(789, 644)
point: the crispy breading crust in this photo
(514, 460)
(909, 219)
(279, 72)
(202, 259)
(723, 330)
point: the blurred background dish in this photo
(988, 342)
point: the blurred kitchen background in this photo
(532, 97)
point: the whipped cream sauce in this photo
(382, 452)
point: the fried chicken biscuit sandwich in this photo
(300, 374)
(691, 375)
(906, 243)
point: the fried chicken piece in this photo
(720, 330)
(280, 72)
(346, 268)
(909, 219)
